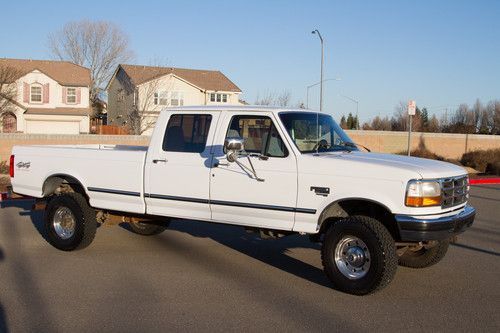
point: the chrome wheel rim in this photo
(352, 257)
(64, 223)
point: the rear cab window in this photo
(186, 133)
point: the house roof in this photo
(204, 79)
(64, 72)
(59, 111)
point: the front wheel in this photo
(424, 255)
(359, 255)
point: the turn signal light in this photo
(423, 201)
(11, 166)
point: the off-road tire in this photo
(382, 254)
(85, 222)
(148, 228)
(425, 257)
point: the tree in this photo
(343, 122)
(147, 106)
(8, 88)
(425, 119)
(274, 99)
(98, 45)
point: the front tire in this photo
(70, 222)
(424, 256)
(359, 255)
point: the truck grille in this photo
(455, 191)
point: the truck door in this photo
(178, 167)
(238, 196)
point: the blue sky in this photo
(440, 53)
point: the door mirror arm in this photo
(235, 148)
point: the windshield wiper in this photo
(355, 145)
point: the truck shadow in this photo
(275, 252)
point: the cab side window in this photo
(259, 134)
(187, 133)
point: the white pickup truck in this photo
(274, 171)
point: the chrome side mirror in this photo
(234, 144)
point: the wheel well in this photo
(62, 183)
(350, 207)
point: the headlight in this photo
(423, 193)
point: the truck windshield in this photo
(315, 132)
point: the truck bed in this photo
(112, 175)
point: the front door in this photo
(178, 171)
(267, 199)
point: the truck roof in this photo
(252, 108)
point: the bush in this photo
(4, 167)
(484, 161)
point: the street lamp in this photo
(357, 107)
(321, 78)
(314, 85)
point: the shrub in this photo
(4, 167)
(485, 161)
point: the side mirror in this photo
(233, 146)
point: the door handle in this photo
(160, 160)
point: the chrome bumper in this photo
(422, 229)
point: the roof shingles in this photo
(204, 79)
(64, 72)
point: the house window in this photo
(176, 98)
(218, 98)
(71, 95)
(36, 93)
(161, 98)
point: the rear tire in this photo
(424, 257)
(359, 255)
(148, 228)
(70, 222)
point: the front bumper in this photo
(421, 229)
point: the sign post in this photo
(412, 108)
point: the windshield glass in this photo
(315, 132)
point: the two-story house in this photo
(145, 90)
(52, 97)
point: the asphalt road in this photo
(198, 277)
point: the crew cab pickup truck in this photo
(274, 171)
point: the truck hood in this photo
(426, 168)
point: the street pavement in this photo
(206, 277)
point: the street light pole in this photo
(321, 78)
(357, 108)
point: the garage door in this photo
(52, 127)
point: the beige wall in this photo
(12, 139)
(451, 146)
(447, 145)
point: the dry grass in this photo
(4, 182)
(4, 168)
(485, 161)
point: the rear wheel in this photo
(70, 222)
(425, 255)
(148, 228)
(359, 255)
